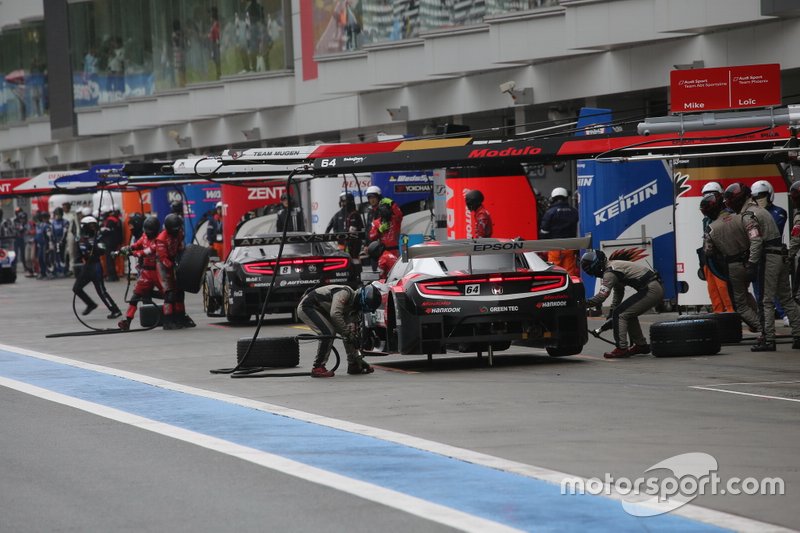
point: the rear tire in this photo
(192, 268)
(279, 352)
(684, 338)
(563, 351)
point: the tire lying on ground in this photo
(278, 352)
(684, 338)
(192, 268)
(729, 325)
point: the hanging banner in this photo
(689, 183)
(630, 206)
(240, 202)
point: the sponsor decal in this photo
(238, 293)
(407, 177)
(264, 193)
(432, 310)
(312, 268)
(353, 159)
(551, 304)
(484, 309)
(274, 153)
(556, 297)
(625, 202)
(516, 245)
(585, 181)
(486, 152)
(433, 304)
(497, 290)
(409, 188)
(472, 289)
(295, 282)
(276, 239)
(503, 309)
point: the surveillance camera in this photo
(646, 133)
(507, 87)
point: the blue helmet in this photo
(594, 262)
(368, 298)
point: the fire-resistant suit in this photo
(649, 292)
(91, 248)
(727, 237)
(168, 249)
(145, 250)
(773, 276)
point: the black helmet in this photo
(711, 205)
(794, 193)
(347, 199)
(152, 226)
(375, 249)
(736, 195)
(368, 298)
(176, 207)
(173, 223)
(593, 263)
(474, 199)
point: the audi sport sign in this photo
(714, 89)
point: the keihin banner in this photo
(630, 204)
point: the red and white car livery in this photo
(480, 294)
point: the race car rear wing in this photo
(491, 246)
(276, 238)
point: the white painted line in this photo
(751, 383)
(396, 500)
(693, 512)
(739, 393)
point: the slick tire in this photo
(683, 338)
(278, 352)
(563, 351)
(192, 268)
(729, 325)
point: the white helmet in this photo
(761, 187)
(106, 209)
(88, 220)
(86, 211)
(373, 189)
(219, 204)
(559, 191)
(711, 186)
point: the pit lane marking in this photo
(369, 491)
(715, 388)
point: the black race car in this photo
(482, 295)
(237, 287)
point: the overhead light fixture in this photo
(519, 97)
(51, 160)
(697, 63)
(398, 113)
(252, 134)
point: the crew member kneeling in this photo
(337, 309)
(616, 275)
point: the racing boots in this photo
(89, 308)
(171, 322)
(763, 345)
(186, 321)
(617, 353)
(124, 324)
(115, 313)
(321, 372)
(639, 349)
(359, 367)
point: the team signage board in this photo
(713, 89)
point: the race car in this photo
(237, 287)
(8, 273)
(481, 295)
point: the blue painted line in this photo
(503, 497)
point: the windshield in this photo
(289, 250)
(462, 264)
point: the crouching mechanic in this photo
(145, 250)
(169, 246)
(616, 275)
(338, 310)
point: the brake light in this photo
(548, 282)
(439, 288)
(266, 268)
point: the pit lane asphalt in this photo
(582, 415)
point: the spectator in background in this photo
(44, 245)
(116, 68)
(290, 217)
(213, 41)
(347, 219)
(481, 218)
(90, 63)
(214, 230)
(560, 222)
(178, 55)
(20, 229)
(60, 228)
(71, 238)
(30, 246)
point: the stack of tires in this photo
(692, 335)
(278, 352)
